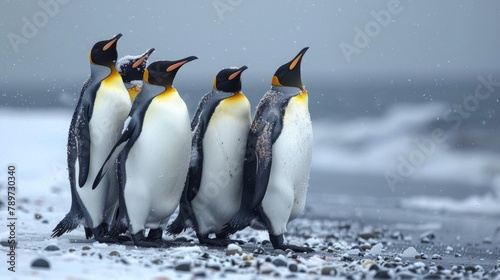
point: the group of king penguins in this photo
(134, 156)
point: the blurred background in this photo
(403, 94)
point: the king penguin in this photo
(131, 68)
(95, 126)
(278, 158)
(152, 156)
(220, 129)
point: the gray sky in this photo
(425, 37)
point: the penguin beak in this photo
(143, 58)
(112, 41)
(298, 58)
(237, 73)
(179, 63)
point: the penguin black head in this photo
(162, 73)
(289, 74)
(131, 68)
(229, 79)
(104, 52)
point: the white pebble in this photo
(377, 249)
(411, 252)
(234, 247)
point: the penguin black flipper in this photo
(75, 214)
(130, 134)
(265, 129)
(117, 149)
(83, 127)
(199, 126)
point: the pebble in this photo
(259, 251)
(38, 216)
(410, 252)
(382, 274)
(233, 249)
(248, 258)
(293, 267)
(199, 273)
(279, 262)
(213, 265)
(183, 266)
(52, 248)
(156, 261)
(267, 268)
(114, 254)
(40, 263)
(458, 255)
(86, 248)
(436, 257)
(328, 270)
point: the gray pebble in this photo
(86, 248)
(52, 248)
(328, 270)
(437, 257)
(279, 262)
(279, 252)
(40, 263)
(200, 273)
(156, 261)
(293, 267)
(382, 274)
(214, 266)
(183, 267)
(38, 216)
(114, 254)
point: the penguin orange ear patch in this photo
(295, 61)
(139, 61)
(109, 44)
(175, 66)
(234, 75)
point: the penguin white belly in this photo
(224, 144)
(110, 110)
(289, 179)
(157, 165)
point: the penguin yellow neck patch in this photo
(133, 91)
(302, 99)
(167, 93)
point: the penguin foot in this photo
(220, 241)
(123, 238)
(101, 235)
(278, 243)
(107, 239)
(141, 241)
(155, 235)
